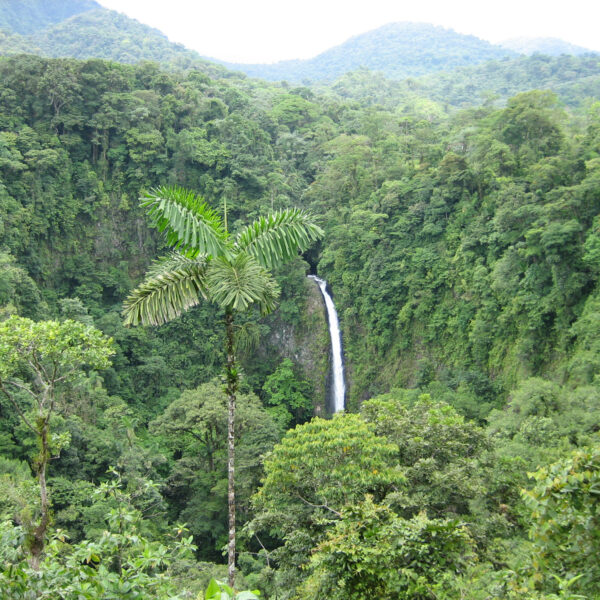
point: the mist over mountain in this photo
(547, 45)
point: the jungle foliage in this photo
(463, 251)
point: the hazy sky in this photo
(272, 30)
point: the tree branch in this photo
(64, 376)
(14, 403)
(22, 387)
(335, 512)
(51, 407)
(38, 367)
(266, 551)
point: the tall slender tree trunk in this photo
(232, 386)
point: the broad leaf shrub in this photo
(372, 553)
(565, 510)
(120, 564)
(218, 590)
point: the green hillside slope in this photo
(335, 157)
(13, 43)
(107, 34)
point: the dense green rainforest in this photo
(462, 247)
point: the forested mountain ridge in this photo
(462, 248)
(94, 32)
(82, 29)
(398, 50)
(87, 30)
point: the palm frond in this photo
(240, 282)
(278, 237)
(173, 284)
(187, 221)
(247, 338)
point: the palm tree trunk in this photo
(232, 386)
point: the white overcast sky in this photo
(271, 30)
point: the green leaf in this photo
(248, 595)
(213, 591)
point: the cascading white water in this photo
(338, 384)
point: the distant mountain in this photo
(398, 50)
(28, 16)
(549, 46)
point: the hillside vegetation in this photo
(86, 30)
(395, 64)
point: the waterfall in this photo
(338, 383)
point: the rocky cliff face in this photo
(306, 344)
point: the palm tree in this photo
(208, 263)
